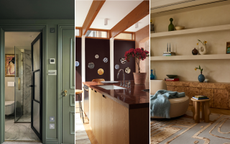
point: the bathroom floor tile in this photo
(19, 131)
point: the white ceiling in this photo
(113, 10)
(21, 40)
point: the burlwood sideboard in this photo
(218, 93)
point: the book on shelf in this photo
(169, 53)
(171, 79)
(200, 98)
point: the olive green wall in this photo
(51, 107)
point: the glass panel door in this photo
(36, 124)
(18, 78)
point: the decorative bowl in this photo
(172, 76)
(179, 27)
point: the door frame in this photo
(27, 28)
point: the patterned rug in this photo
(81, 136)
(184, 130)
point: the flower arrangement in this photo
(203, 43)
(138, 53)
(199, 69)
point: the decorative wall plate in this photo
(105, 60)
(117, 66)
(96, 56)
(91, 65)
(123, 60)
(127, 70)
(100, 71)
(77, 63)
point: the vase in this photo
(152, 77)
(139, 78)
(194, 51)
(201, 78)
(171, 26)
(202, 49)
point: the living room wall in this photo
(201, 16)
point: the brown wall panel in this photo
(100, 47)
(120, 47)
(78, 69)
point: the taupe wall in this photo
(214, 70)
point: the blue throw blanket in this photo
(159, 103)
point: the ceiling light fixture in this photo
(136, 25)
(106, 21)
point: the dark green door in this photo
(68, 84)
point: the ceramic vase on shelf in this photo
(194, 51)
(139, 78)
(201, 77)
(202, 49)
(152, 76)
(171, 26)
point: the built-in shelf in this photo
(191, 31)
(191, 57)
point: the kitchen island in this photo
(119, 116)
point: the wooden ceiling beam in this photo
(134, 16)
(93, 11)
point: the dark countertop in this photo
(132, 98)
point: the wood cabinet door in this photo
(107, 120)
(98, 114)
(120, 124)
(220, 99)
(91, 121)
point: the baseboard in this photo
(51, 141)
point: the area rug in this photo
(184, 130)
(81, 136)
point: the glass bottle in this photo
(152, 77)
(171, 26)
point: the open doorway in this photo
(19, 88)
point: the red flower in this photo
(139, 53)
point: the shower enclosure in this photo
(22, 87)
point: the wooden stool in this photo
(78, 92)
(205, 109)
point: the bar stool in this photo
(78, 92)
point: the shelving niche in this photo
(205, 22)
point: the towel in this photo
(160, 104)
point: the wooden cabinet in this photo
(109, 120)
(113, 123)
(218, 93)
(120, 124)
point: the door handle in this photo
(64, 93)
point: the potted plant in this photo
(139, 54)
(201, 77)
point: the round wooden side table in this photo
(204, 104)
(78, 92)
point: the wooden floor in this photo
(215, 110)
(89, 132)
(87, 128)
